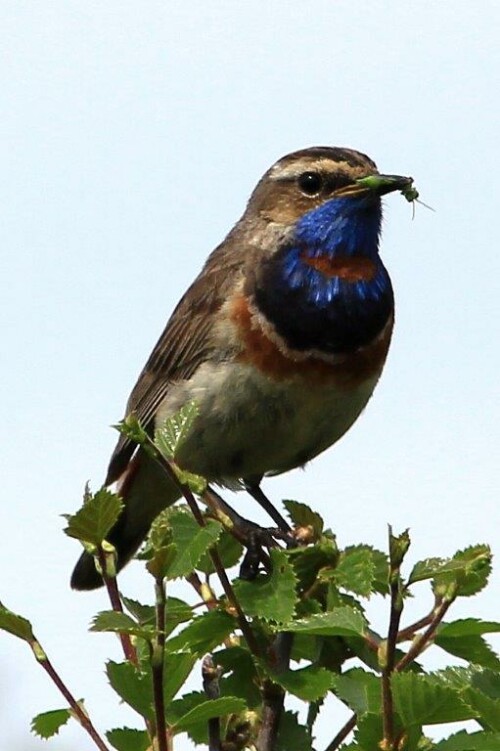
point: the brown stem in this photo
(76, 709)
(422, 641)
(114, 597)
(157, 663)
(342, 734)
(221, 573)
(395, 585)
(409, 632)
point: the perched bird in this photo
(280, 340)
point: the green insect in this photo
(411, 194)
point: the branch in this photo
(422, 641)
(342, 734)
(76, 708)
(107, 560)
(157, 663)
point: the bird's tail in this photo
(145, 491)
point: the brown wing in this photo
(185, 343)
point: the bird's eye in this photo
(310, 183)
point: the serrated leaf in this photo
(111, 620)
(145, 614)
(270, 596)
(344, 621)
(16, 625)
(468, 627)
(129, 739)
(464, 741)
(420, 700)
(134, 686)
(206, 710)
(192, 542)
(486, 709)
(309, 684)
(355, 570)
(93, 521)
(472, 648)
(467, 572)
(161, 561)
(229, 550)
(204, 633)
(360, 690)
(176, 670)
(47, 724)
(242, 681)
(426, 569)
(303, 516)
(170, 435)
(292, 735)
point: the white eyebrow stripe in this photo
(294, 169)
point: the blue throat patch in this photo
(329, 290)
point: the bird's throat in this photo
(328, 290)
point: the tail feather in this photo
(145, 491)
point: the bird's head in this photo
(322, 185)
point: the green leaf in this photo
(229, 550)
(465, 574)
(398, 547)
(463, 639)
(309, 684)
(134, 686)
(177, 667)
(270, 596)
(16, 625)
(170, 435)
(468, 627)
(204, 633)
(206, 710)
(176, 612)
(486, 709)
(242, 680)
(161, 561)
(47, 724)
(426, 569)
(356, 570)
(302, 516)
(111, 620)
(422, 700)
(345, 621)
(360, 690)
(464, 741)
(93, 521)
(292, 735)
(129, 739)
(144, 614)
(192, 542)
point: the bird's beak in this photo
(377, 185)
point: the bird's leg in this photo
(254, 489)
(251, 535)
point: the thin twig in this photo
(107, 566)
(157, 663)
(397, 549)
(342, 734)
(76, 709)
(409, 632)
(422, 641)
(219, 568)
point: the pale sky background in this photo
(131, 135)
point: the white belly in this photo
(249, 425)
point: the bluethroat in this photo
(279, 341)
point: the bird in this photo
(279, 341)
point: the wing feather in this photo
(184, 345)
